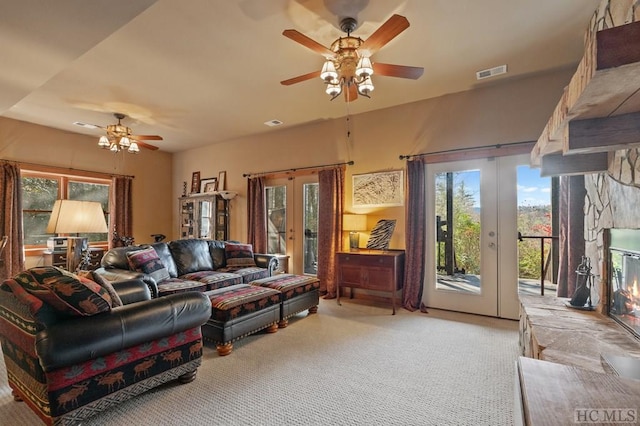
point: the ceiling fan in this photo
(119, 138)
(348, 67)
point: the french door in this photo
(471, 244)
(292, 221)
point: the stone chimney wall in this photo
(612, 201)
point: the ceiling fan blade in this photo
(146, 145)
(401, 71)
(297, 36)
(300, 78)
(147, 137)
(351, 94)
(383, 35)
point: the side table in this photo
(379, 270)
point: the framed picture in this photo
(222, 181)
(209, 185)
(380, 189)
(195, 182)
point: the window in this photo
(41, 189)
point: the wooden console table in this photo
(379, 270)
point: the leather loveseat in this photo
(188, 265)
(73, 347)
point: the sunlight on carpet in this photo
(353, 364)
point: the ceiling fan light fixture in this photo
(103, 142)
(125, 142)
(364, 68)
(114, 147)
(366, 87)
(334, 88)
(133, 148)
(329, 72)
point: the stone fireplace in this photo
(611, 212)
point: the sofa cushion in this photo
(213, 279)
(248, 274)
(104, 283)
(69, 294)
(239, 254)
(148, 262)
(178, 285)
(216, 251)
(191, 255)
(166, 258)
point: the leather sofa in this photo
(191, 265)
(68, 365)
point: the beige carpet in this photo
(348, 365)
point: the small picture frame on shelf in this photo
(209, 185)
(195, 182)
(222, 181)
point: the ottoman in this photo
(299, 292)
(238, 311)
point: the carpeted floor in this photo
(353, 364)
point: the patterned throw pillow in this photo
(148, 262)
(99, 279)
(239, 254)
(66, 292)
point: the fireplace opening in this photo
(624, 274)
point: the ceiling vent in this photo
(273, 123)
(491, 72)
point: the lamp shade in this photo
(76, 217)
(354, 222)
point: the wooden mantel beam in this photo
(559, 165)
(604, 134)
(606, 83)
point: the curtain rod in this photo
(68, 169)
(348, 163)
(447, 151)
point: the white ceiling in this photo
(199, 72)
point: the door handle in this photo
(492, 245)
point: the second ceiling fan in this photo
(348, 67)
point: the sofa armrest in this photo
(80, 339)
(115, 275)
(267, 261)
(132, 291)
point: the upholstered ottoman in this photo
(299, 292)
(238, 311)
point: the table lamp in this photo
(76, 217)
(354, 223)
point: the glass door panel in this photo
(276, 200)
(310, 219)
(462, 237)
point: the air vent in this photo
(88, 126)
(273, 123)
(491, 72)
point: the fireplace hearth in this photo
(624, 273)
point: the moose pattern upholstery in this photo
(67, 367)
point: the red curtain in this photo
(330, 209)
(414, 237)
(120, 210)
(256, 215)
(11, 260)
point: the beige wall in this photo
(512, 111)
(152, 195)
